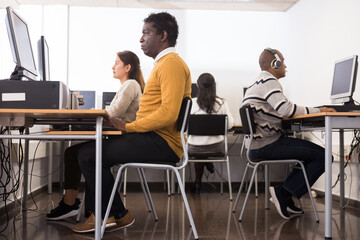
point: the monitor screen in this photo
(20, 46)
(344, 80)
(89, 99)
(43, 59)
(194, 90)
(107, 98)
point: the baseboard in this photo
(13, 208)
(352, 202)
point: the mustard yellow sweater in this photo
(168, 84)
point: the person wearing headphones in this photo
(269, 106)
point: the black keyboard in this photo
(343, 108)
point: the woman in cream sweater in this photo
(124, 106)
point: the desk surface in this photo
(324, 114)
(82, 132)
(54, 113)
(27, 117)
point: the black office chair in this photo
(249, 128)
(210, 125)
(181, 126)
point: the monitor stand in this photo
(19, 74)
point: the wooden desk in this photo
(328, 122)
(30, 117)
(107, 133)
(237, 128)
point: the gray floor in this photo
(212, 215)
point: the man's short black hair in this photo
(164, 21)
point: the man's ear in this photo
(164, 36)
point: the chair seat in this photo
(206, 155)
(174, 164)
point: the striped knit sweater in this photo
(270, 105)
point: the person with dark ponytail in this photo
(207, 102)
(124, 106)
(126, 101)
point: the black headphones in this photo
(276, 63)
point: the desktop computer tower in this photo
(34, 95)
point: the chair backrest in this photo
(182, 124)
(247, 120)
(207, 125)
(249, 128)
(184, 113)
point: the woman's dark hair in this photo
(128, 57)
(206, 97)
(164, 21)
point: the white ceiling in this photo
(239, 5)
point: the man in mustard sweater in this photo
(152, 137)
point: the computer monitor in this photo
(344, 80)
(20, 46)
(89, 99)
(43, 59)
(107, 98)
(194, 90)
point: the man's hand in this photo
(326, 109)
(118, 123)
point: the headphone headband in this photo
(276, 63)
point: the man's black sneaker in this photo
(281, 201)
(64, 211)
(291, 208)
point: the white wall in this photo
(318, 33)
(312, 35)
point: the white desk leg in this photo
(26, 171)
(328, 176)
(51, 159)
(341, 166)
(98, 178)
(62, 160)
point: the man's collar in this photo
(267, 73)
(164, 52)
